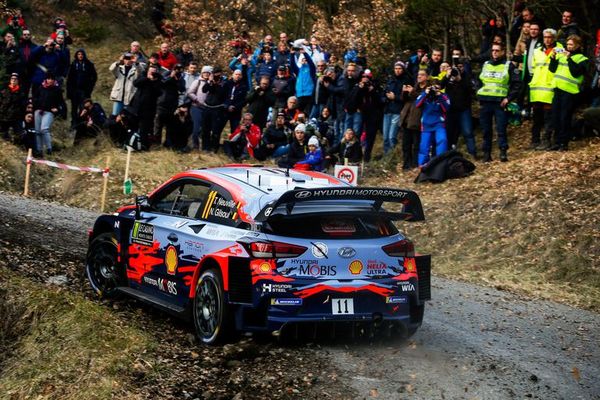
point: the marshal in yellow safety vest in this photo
(541, 87)
(495, 79)
(563, 78)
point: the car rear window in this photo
(329, 226)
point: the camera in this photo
(156, 75)
(327, 79)
(433, 91)
(454, 72)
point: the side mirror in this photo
(141, 204)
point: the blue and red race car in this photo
(244, 248)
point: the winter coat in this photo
(168, 100)
(434, 110)
(394, 85)
(296, 153)
(314, 159)
(259, 102)
(48, 98)
(252, 136)
(167, 61)
(283, 88)
(410, 117)
(459, 92)
(350, 150)
(305, 77)
(265, 69)
(123, 88)
(146, 96)
(235, 94)
(82, 76)
(45, 62)
(12, 105)
(196, 94)
(215, 94)
(449, 165)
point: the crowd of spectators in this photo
(294, 102)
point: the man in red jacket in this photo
(166, 58)
(243, 140)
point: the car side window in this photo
(184, 198)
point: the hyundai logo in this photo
(303, 194)
(346, 252)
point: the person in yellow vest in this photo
(541, 91)
(501, 85)
(569, 67)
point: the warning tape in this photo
(54, 164)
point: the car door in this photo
(163, 240)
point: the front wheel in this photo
(101, 265)
(211, 313)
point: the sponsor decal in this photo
(346, 252)
(218, 206)
(376, 267)
(317, 270)
(298, 261)
(164, 285)
(410, 265)
(305, 194)
(406, 286)
(286, 302)
(356, 267)
(194, 245)
(396, 300)
(171, 259)
(142, 233)
(319, 250)
(117, 224)
(276, 287)
(265, 267)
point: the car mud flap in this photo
(424, 273)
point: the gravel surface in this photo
(475, 342)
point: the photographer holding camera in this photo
(242, 142)
(393, 104)
(459, 90)
(149, 88)
(435, 105)
(214, 117)
(125, 71)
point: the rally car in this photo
(247, 248)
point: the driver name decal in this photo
(142, 234)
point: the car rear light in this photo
(403, 248)
(273, 249)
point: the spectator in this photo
(259, 100)
(292, 112)
(121, 127)
(235, 98)
(459, 89)
(185, 55)
(213, 121)
(313, 160)
(348, 151)
(365, 101)
(325, 125)
(282, 55)
(414, 62)
(149, 88)
(81, 80)
(11, 56)
(283, 87)
(12, 107)
(137, 54)
(47, 105)
(168, 101)
(243, 140)
(338, 87)
(198, 109)
(64, 57)
(433, 64)
(541, 91)
(166, 58)
(521, 46)
(266, 65)
(125, 71)
(26, 47)
(179, 129)
(569, 27)
(28, 132)
(303, 67)
(297, 148)
(275, 140)
(527, 15)
(90, 121)
(501, 85)
(392, 100)
(189, 76)
(410, 119)
(353, 117)
(321, 95)
(435, 105)
(569, 68)
(315, 52)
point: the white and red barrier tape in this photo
(54, 164)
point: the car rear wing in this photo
(411, 204)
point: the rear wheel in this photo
(211, 312)
(101, 265)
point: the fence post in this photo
(27, 172)
(104, 185)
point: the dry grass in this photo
(66, 347)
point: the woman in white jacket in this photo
(126, 70)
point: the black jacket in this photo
(350, 150)
(82, 76)
(48, 98)
(259, 102)
(394, 85)
(216, 94)
(168, 100)
(145, 97)
(235, 94)
(12, 105)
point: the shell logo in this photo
(265, 268)
(171, 260)
(410, 265)
(355, 267)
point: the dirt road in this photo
(475, 343)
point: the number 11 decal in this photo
(342, 306)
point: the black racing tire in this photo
(211, 314)
(101, 266)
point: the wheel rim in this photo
(101, 268)
(208, 308)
